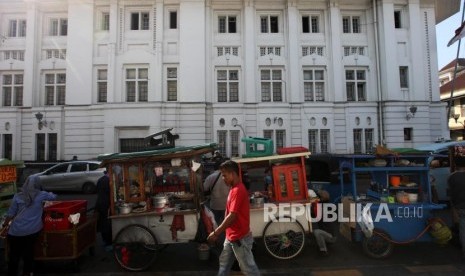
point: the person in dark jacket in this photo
(102, 207)
(324, 231)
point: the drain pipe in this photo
(378, 76)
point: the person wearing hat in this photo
(324, 231)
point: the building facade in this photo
(85, 77)
(452, 91)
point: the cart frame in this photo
(137, 237)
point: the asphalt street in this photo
(346, 258)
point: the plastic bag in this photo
(365, 221)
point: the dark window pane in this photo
(305, 24)
(173, 20)
(40, 147)
(134, 21)
(274, 24)
(232, 24)
(78, 167)
(8, 146)
(52, 146)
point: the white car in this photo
(440, 171)
(77, 176)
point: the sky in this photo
(444, 32)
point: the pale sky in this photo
(445, 31)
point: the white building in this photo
(336, 76)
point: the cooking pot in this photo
(159, 201)
(258, 201)
(125, 209)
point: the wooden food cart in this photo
(142, 221)
(8, 181)
(399, 198)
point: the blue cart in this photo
(396, 191)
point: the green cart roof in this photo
(8, 162)
(159, 154)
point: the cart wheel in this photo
(135, 247)
(284, 240)
(378, 245)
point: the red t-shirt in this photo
(238, 202)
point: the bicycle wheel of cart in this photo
(135, 247)
(284, 240)
(378, 245)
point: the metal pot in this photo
(125, 209)
(159, 201)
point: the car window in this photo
(93, 166)
(59, 169)
(79, 167)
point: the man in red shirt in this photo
(236, 223)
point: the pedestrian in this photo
(25, 214)
(217, 190)
(236, 224)
(102, 208)
(457, 197)
(324, 231)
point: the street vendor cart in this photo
(156, 200)
(397, 199)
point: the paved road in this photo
(346, 258)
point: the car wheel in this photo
(88, 188)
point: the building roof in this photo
(459, 84)
(451, 64)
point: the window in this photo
(105, 24)
(280, 137)
(310, 50)
(8, 146)
(318, 143)
(221, 51)
(369, 140)
(232, 146)
(351, 24)
(397, 19)
(403, 74)
(102, 85)
(52, 146)
(314, 85)
(137, 85)
(17, 28)
(55, 53)
(269, 24)
(227, 24)
(228, 85)
(172, 84)
(40, 146)
(55, 88)
(408, 134)
(12, 89)
(58, 27)
(173, 19)
(270, 51)
(271, 85)
(140, 21)
(78, 167)
(356, 85)
(222, 141)
(352, 50)
(310, 24)
(132, 144)
(363, 140)
(357, 140)
(13, 54)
